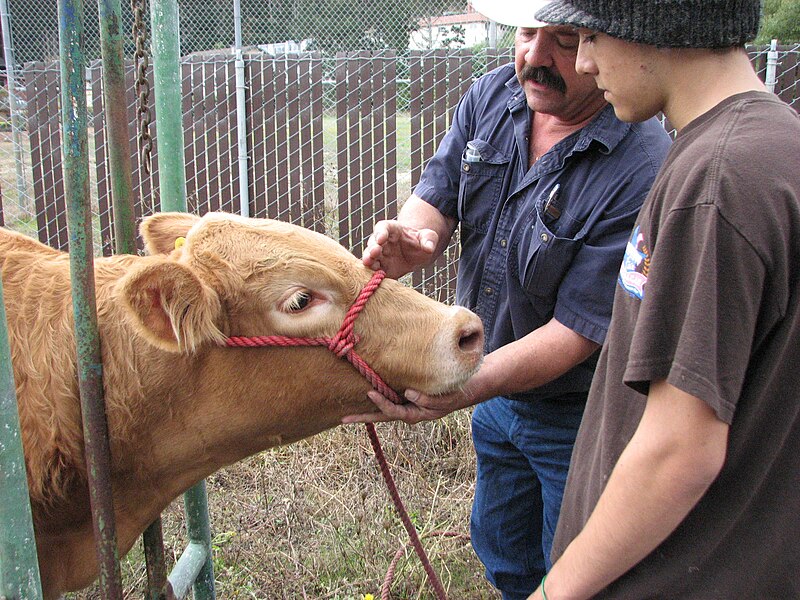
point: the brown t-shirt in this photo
(708, 298)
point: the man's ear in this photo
(171, 307)
(159, 231)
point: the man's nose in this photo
(539, 51)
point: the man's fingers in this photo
(376, 246)
(387, 407)
(380, 235)
(375, 417)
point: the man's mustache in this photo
(543, 76)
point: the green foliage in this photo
(455, 39)
(330, 25)
(781, 22)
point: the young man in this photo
(685, 479)
(546, 184)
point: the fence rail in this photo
(332, 144)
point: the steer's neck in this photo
(222, 406)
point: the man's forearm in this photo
(670, 462)
(534, 360)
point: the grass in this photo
(403, 153)
(314, 519)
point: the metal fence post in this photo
(116, 116)
(195, 563)
(241, 115)
(84, 303)
(13, 101)
(169, 125)
(770, 78)
(169, 117)
(19, 567)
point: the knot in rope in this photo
(341, 345)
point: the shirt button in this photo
(545, 237)
(488, 291)
(503, 243)
(466, 167)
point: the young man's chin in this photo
(628, 114)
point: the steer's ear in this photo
(159, 231)
(171, 307)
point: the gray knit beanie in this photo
(664, 23)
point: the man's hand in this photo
(399, 249)
(418, 408)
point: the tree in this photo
(781, 22)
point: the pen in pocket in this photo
(550, 209)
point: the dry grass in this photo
(314, 520)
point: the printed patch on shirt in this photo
(635, 265)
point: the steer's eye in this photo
(298, 302)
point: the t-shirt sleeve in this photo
(696, 323)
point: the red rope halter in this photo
(341, 345)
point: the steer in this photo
(180, 404)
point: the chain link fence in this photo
(345, 101)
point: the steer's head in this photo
(232, 276)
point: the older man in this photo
(685, 480)
(545, 183)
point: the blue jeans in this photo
(523, 451)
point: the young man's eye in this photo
(588, 38)
(568, 41)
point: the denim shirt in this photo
(523, 261)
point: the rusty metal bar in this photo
(157, 586)
(116, 113)
(167, 73)
(166, 67)
(79, 219)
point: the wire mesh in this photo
(345, 101)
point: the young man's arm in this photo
(675, 454)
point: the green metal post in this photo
(79, 222)
(195, 563)
(19, 567)
(116, 116)
(165, 27)
(169, 120)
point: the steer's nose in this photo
(469, 332)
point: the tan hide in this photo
(180, 405)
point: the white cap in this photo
(517, 13)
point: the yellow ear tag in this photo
(179, 242)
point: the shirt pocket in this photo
(483, 170)
(545, 257)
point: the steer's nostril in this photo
(471, 339)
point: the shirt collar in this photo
(605, 127)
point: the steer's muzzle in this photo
(467, 341)
(470, 334)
